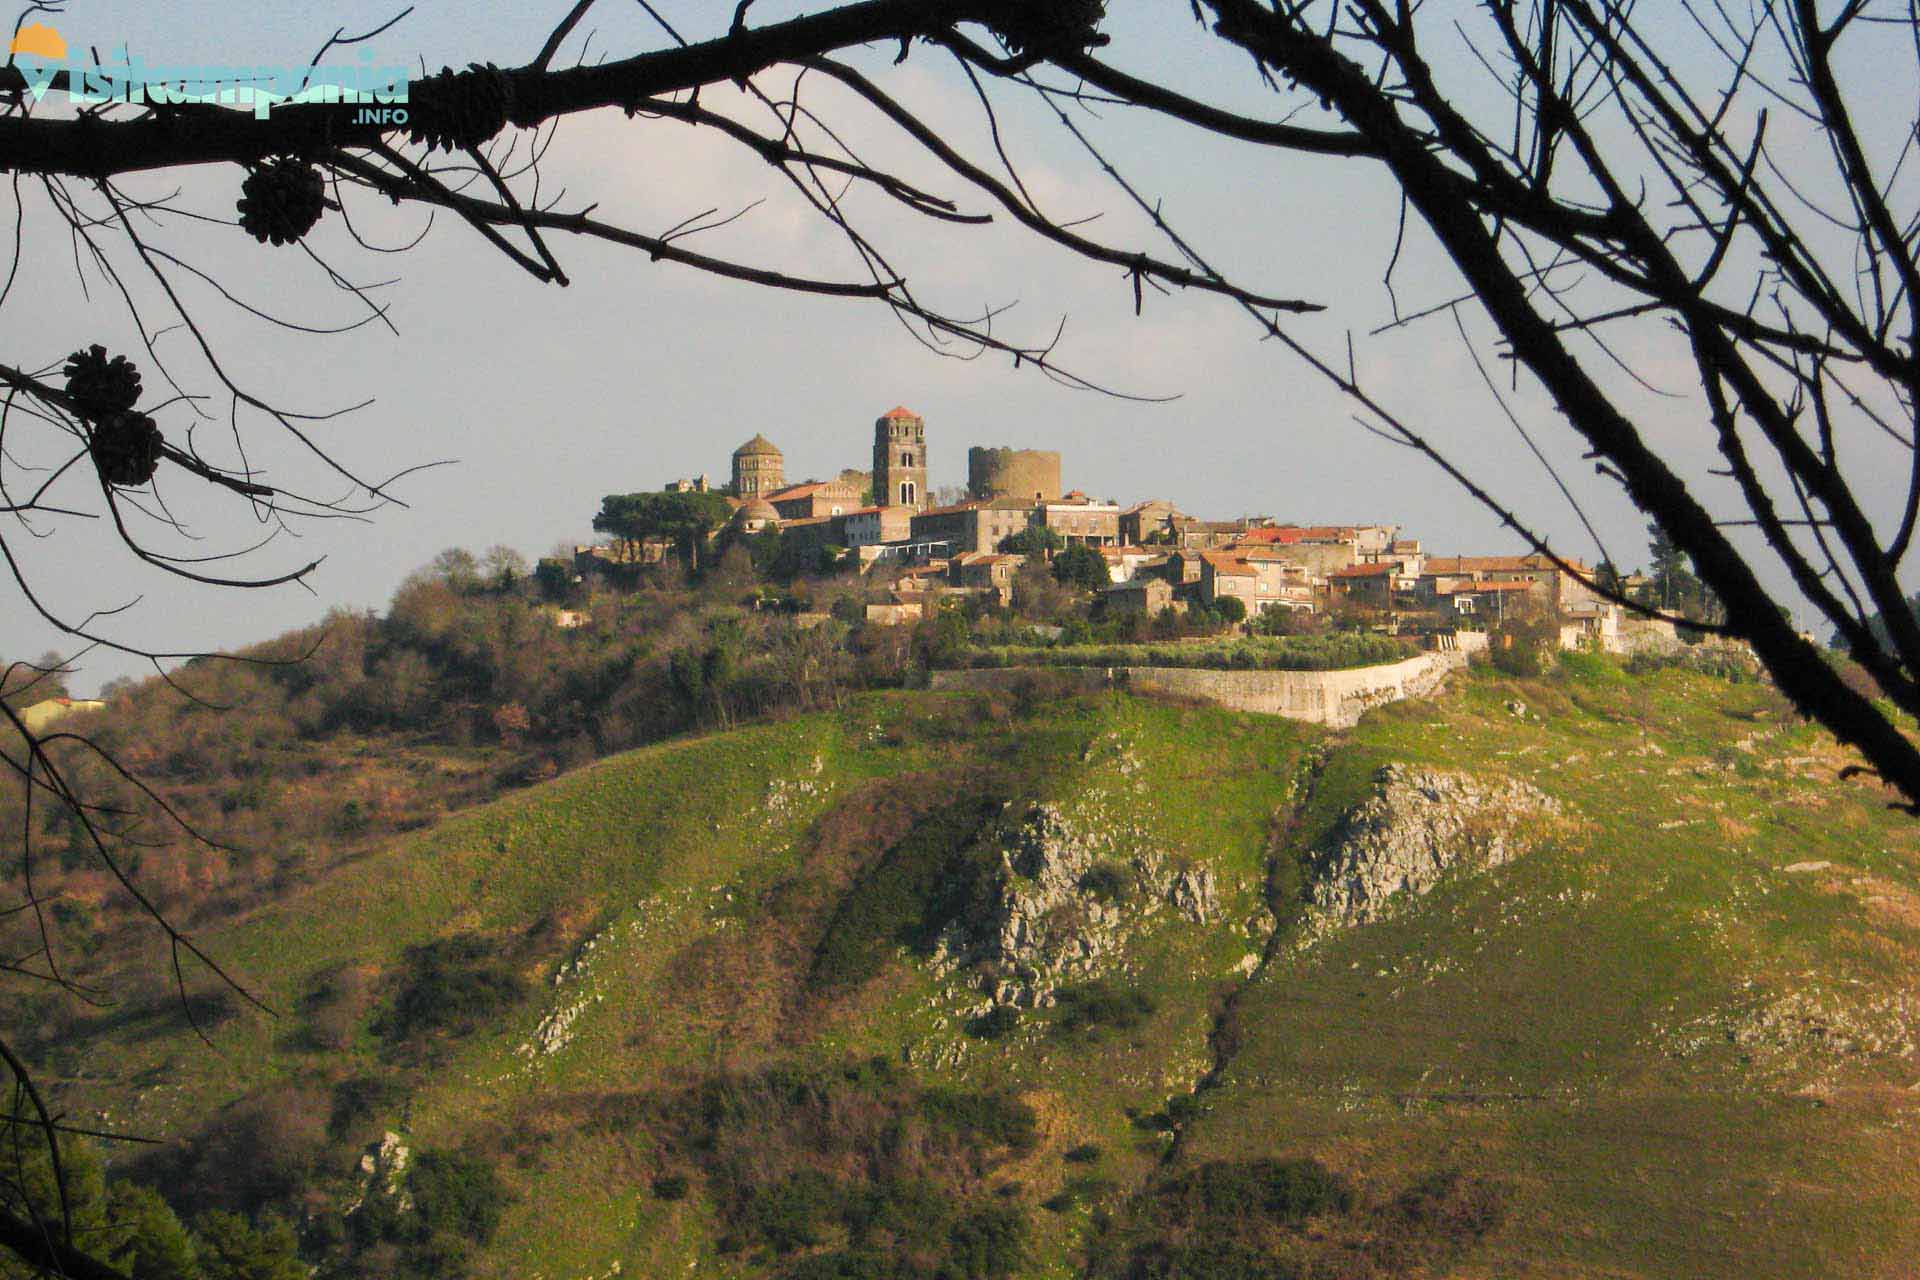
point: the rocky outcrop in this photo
(383, 1172)
(1061, 897)
(1418, 825)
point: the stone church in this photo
(898, 479)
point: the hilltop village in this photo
(1154, 557)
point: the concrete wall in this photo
(1336, 698)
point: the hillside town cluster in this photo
(1157, 556)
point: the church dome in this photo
(758, 447)
(759, 511)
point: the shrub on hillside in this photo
(861, 1157)
(994, 1119)
(995, 1024)
(1107, 882)
(450, 984)
(458, 1194)
(257, 1153)
(1100, 1004)
(1732, 663)
(1265, 1218)
(1524, 646)
(231, 1248)
(356, 1106)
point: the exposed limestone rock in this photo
(1416, 826)
(1191, 892)
(383, 1169)
(1042, 919)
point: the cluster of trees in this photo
(687, 520)
(1669, 586)
(129, 1227)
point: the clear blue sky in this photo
(639, 372)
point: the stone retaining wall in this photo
(1336, 698)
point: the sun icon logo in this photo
(41, 41)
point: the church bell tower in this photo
(900, 460)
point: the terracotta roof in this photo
(1288, 533)
(1366, 570)
(759, 446)
(1231, 566)
(899, 411)
(1475, 588)
(1493, 564)
(797, 491)
(954, 509)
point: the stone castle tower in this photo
(900, 460)
(758, 469)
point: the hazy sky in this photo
(639, 372)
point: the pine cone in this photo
(126, 449)
(458, 109)
(281, 200)
(101, 387)
(1045, 26)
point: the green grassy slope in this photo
(1682, 1058)
(667, 906)
(1675, 1057)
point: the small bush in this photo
(793, 1213)
(994, 1119)
(1099, 1004)
(1220, 1191)
(1456, 1208)
(671, 1187)
(1085, 1153)
(1204, 1260)
(995, 1024)
(988, 1243)
(356, 1101)
(451, 984)
(1107, 882)
(457, 1194)
(1524, 646)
